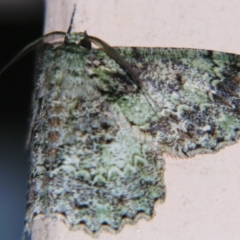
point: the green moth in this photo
(104, 117)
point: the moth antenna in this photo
(30, 47)
(72, 18)
(111, 52)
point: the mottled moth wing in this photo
(98, 138)
(90, 163)
(197, 96)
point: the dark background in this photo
(21, 22)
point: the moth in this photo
(103, 118)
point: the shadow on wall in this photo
(20, 23)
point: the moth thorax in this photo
(79, 39)
(74, 38)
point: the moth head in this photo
(79, 39)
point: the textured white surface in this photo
(202, 193)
